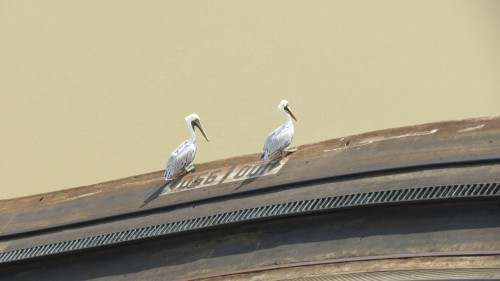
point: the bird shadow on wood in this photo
(160, 189)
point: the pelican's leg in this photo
(290, 150)
(189, 168)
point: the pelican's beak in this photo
(289, 111)
(197, 123)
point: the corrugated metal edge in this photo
(422, 274)
(407, 195)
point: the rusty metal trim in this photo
(352, 259)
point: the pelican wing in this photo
(277, 141)
(180, 158)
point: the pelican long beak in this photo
(289, 111)
(197, 123)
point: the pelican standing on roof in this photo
(183, 156)
(277, 142)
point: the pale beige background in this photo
(97, 90)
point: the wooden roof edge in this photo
(339, 141)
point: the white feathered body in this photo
(180, 158)
(278, 141)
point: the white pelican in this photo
(183, 156)
(280, 139)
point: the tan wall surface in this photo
(91, 91)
